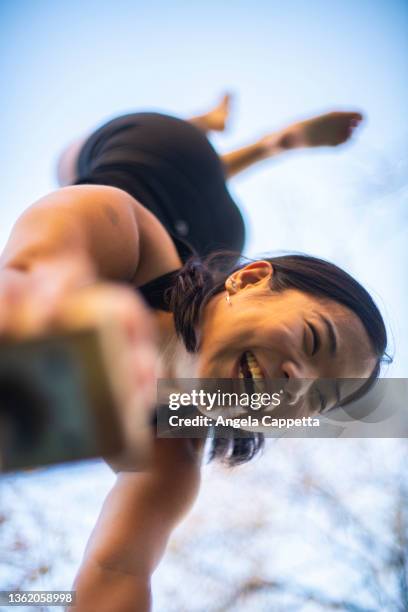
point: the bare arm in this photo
(77, 236)
(71, 238)
(97, 223)
(133, 529)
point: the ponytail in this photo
(186, 298)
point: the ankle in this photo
(270, 144)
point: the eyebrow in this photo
(332, 335)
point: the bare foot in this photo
(330, 130)
(216, 119)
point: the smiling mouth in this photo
(249, 367)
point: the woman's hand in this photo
(128, 339)
(64, 296)
(30, 301)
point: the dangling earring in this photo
(228, 298)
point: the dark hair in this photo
(199, 280)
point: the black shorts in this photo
(170, 167)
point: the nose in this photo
(299, 380)
(294, 370)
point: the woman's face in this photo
(286, 335)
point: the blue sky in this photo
(66, 66)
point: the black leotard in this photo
(170, 167)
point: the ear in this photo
(256, 273)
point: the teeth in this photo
(253, 366)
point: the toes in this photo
(354, 123)
(357, 116)
(355, 119)
(226, 101)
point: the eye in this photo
(315, 338)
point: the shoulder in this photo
(89, 202)
(87, 192)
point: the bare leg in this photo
(330, 130)
(215, 119)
